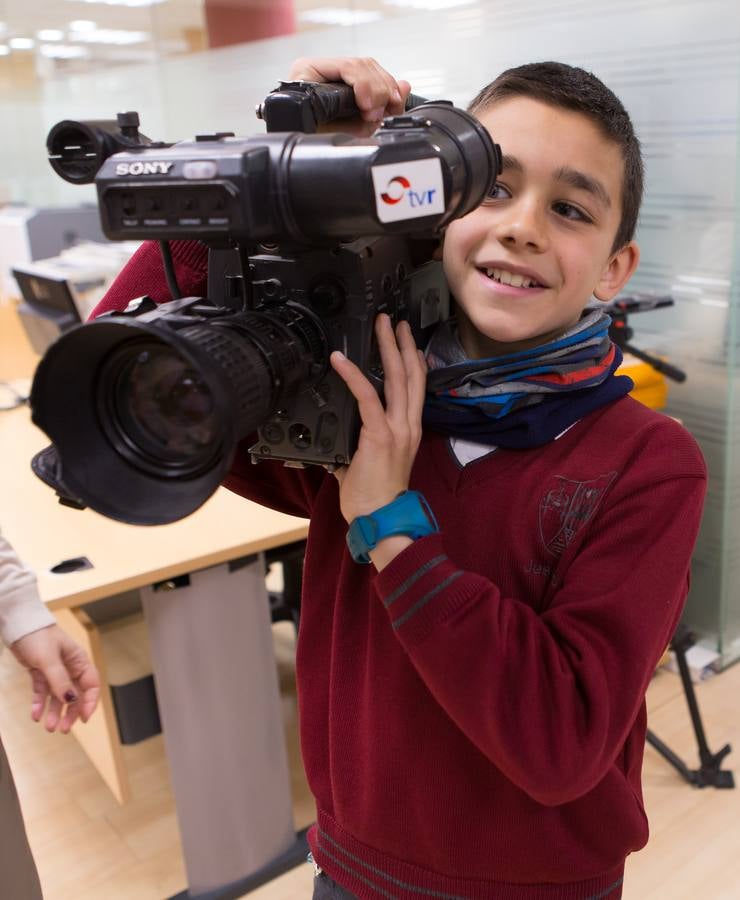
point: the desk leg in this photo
(99, 738)
(219, 702)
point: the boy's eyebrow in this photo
(511, 162)
(585, 183)
(573, 177)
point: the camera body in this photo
(345, 287)
(311, 302)
(310, 237)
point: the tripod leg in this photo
(681, 643)
(668, 754)
(710, 771)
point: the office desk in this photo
(211, 651)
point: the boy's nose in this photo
(522, 225)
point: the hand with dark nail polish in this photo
(61, 673)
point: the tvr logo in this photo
(395, 198)
(396, 190)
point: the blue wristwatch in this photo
(408, 514)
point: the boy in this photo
(472, 702)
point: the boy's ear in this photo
(618, 271)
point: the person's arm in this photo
(21, 610)
(550, 698)
(64, 683)
(144, 275)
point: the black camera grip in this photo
(336, 100)
(333, 100)
(304, 106)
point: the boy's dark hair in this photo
(573, 88)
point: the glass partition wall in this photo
(675, 64)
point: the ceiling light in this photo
(63, 51)
(4, 50)
(337, 15)
(429, 4)
(50, 34)
(136, 3)
(22, 43)
(111, 36)
(82, 25)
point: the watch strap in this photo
(408, 514)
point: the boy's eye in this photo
(498, 192)
(568, 211)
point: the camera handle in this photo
(305, 105)
(293, 106)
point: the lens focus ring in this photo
(244, 368)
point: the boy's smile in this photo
(525, 263)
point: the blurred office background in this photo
(190, 66)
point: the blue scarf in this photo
(525, 399)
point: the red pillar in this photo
(238, 21)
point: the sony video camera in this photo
(310, 237)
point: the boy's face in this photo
(545, 235)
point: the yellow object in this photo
(650, 386)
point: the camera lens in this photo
(146, 416)
(159, 412)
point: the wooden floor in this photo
(87, 847)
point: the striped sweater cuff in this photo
(422, 587)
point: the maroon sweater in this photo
(473, 718)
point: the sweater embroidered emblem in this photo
(567, 506)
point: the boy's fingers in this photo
(405, 88)
(415, 365)
(376, 91)
(416, 373)
(394, 374)
(316, 69)
(388, 96)
(368, 403)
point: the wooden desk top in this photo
(123, 556)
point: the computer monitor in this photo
(48, 307)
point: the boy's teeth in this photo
(504, 277)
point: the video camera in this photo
(310, 237)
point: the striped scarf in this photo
(523, 399)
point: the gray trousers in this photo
(18, 875)
(325, 888)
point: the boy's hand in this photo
(377, 93)
(61, 673)
(390, 436)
